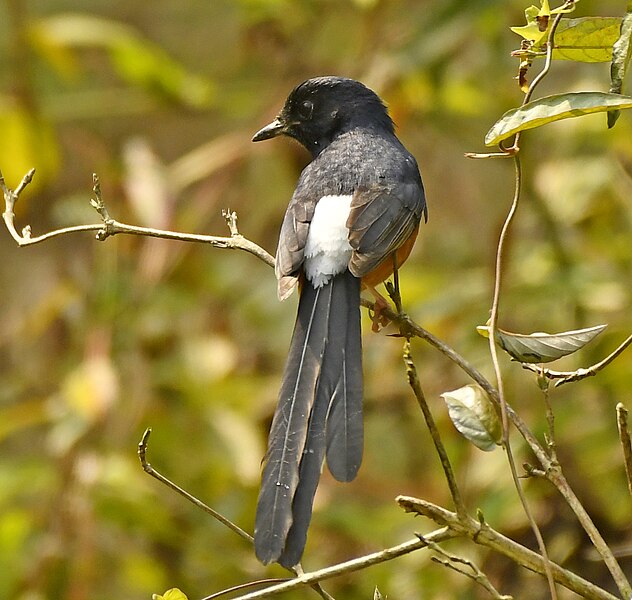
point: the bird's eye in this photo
(305, 109)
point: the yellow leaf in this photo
(172, 594)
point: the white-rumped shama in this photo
(354, 214)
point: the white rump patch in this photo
(327, 251)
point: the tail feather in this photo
(344, 428)
(288, 433)
(324, 356)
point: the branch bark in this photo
(480, 533)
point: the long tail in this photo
(319, 412)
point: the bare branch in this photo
(412, 329)
(142, 455)
(110, 226)
(480, 533)
(25, 238)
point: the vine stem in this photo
(493, 321)
(493, 324)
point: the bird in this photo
(352, 219)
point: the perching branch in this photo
(551, 469)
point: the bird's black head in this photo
(320, 109)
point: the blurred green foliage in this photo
(100, 340)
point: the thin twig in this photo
(413, 381)
(493, 321)
(475, 574)
(142, 455)
(626, 444)
(351, 566)
(563, 377)
(243, 586)
(456, 563)
(550, 418)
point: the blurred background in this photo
(100, 340)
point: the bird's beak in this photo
(269, 131)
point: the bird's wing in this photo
(381, 219)
(292, 240)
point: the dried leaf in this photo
(543, 347)
(474, 415)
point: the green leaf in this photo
(621, 53)
(172, 594)
(553, 108)
(543, 347)
(474, 415)
(588, 39)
